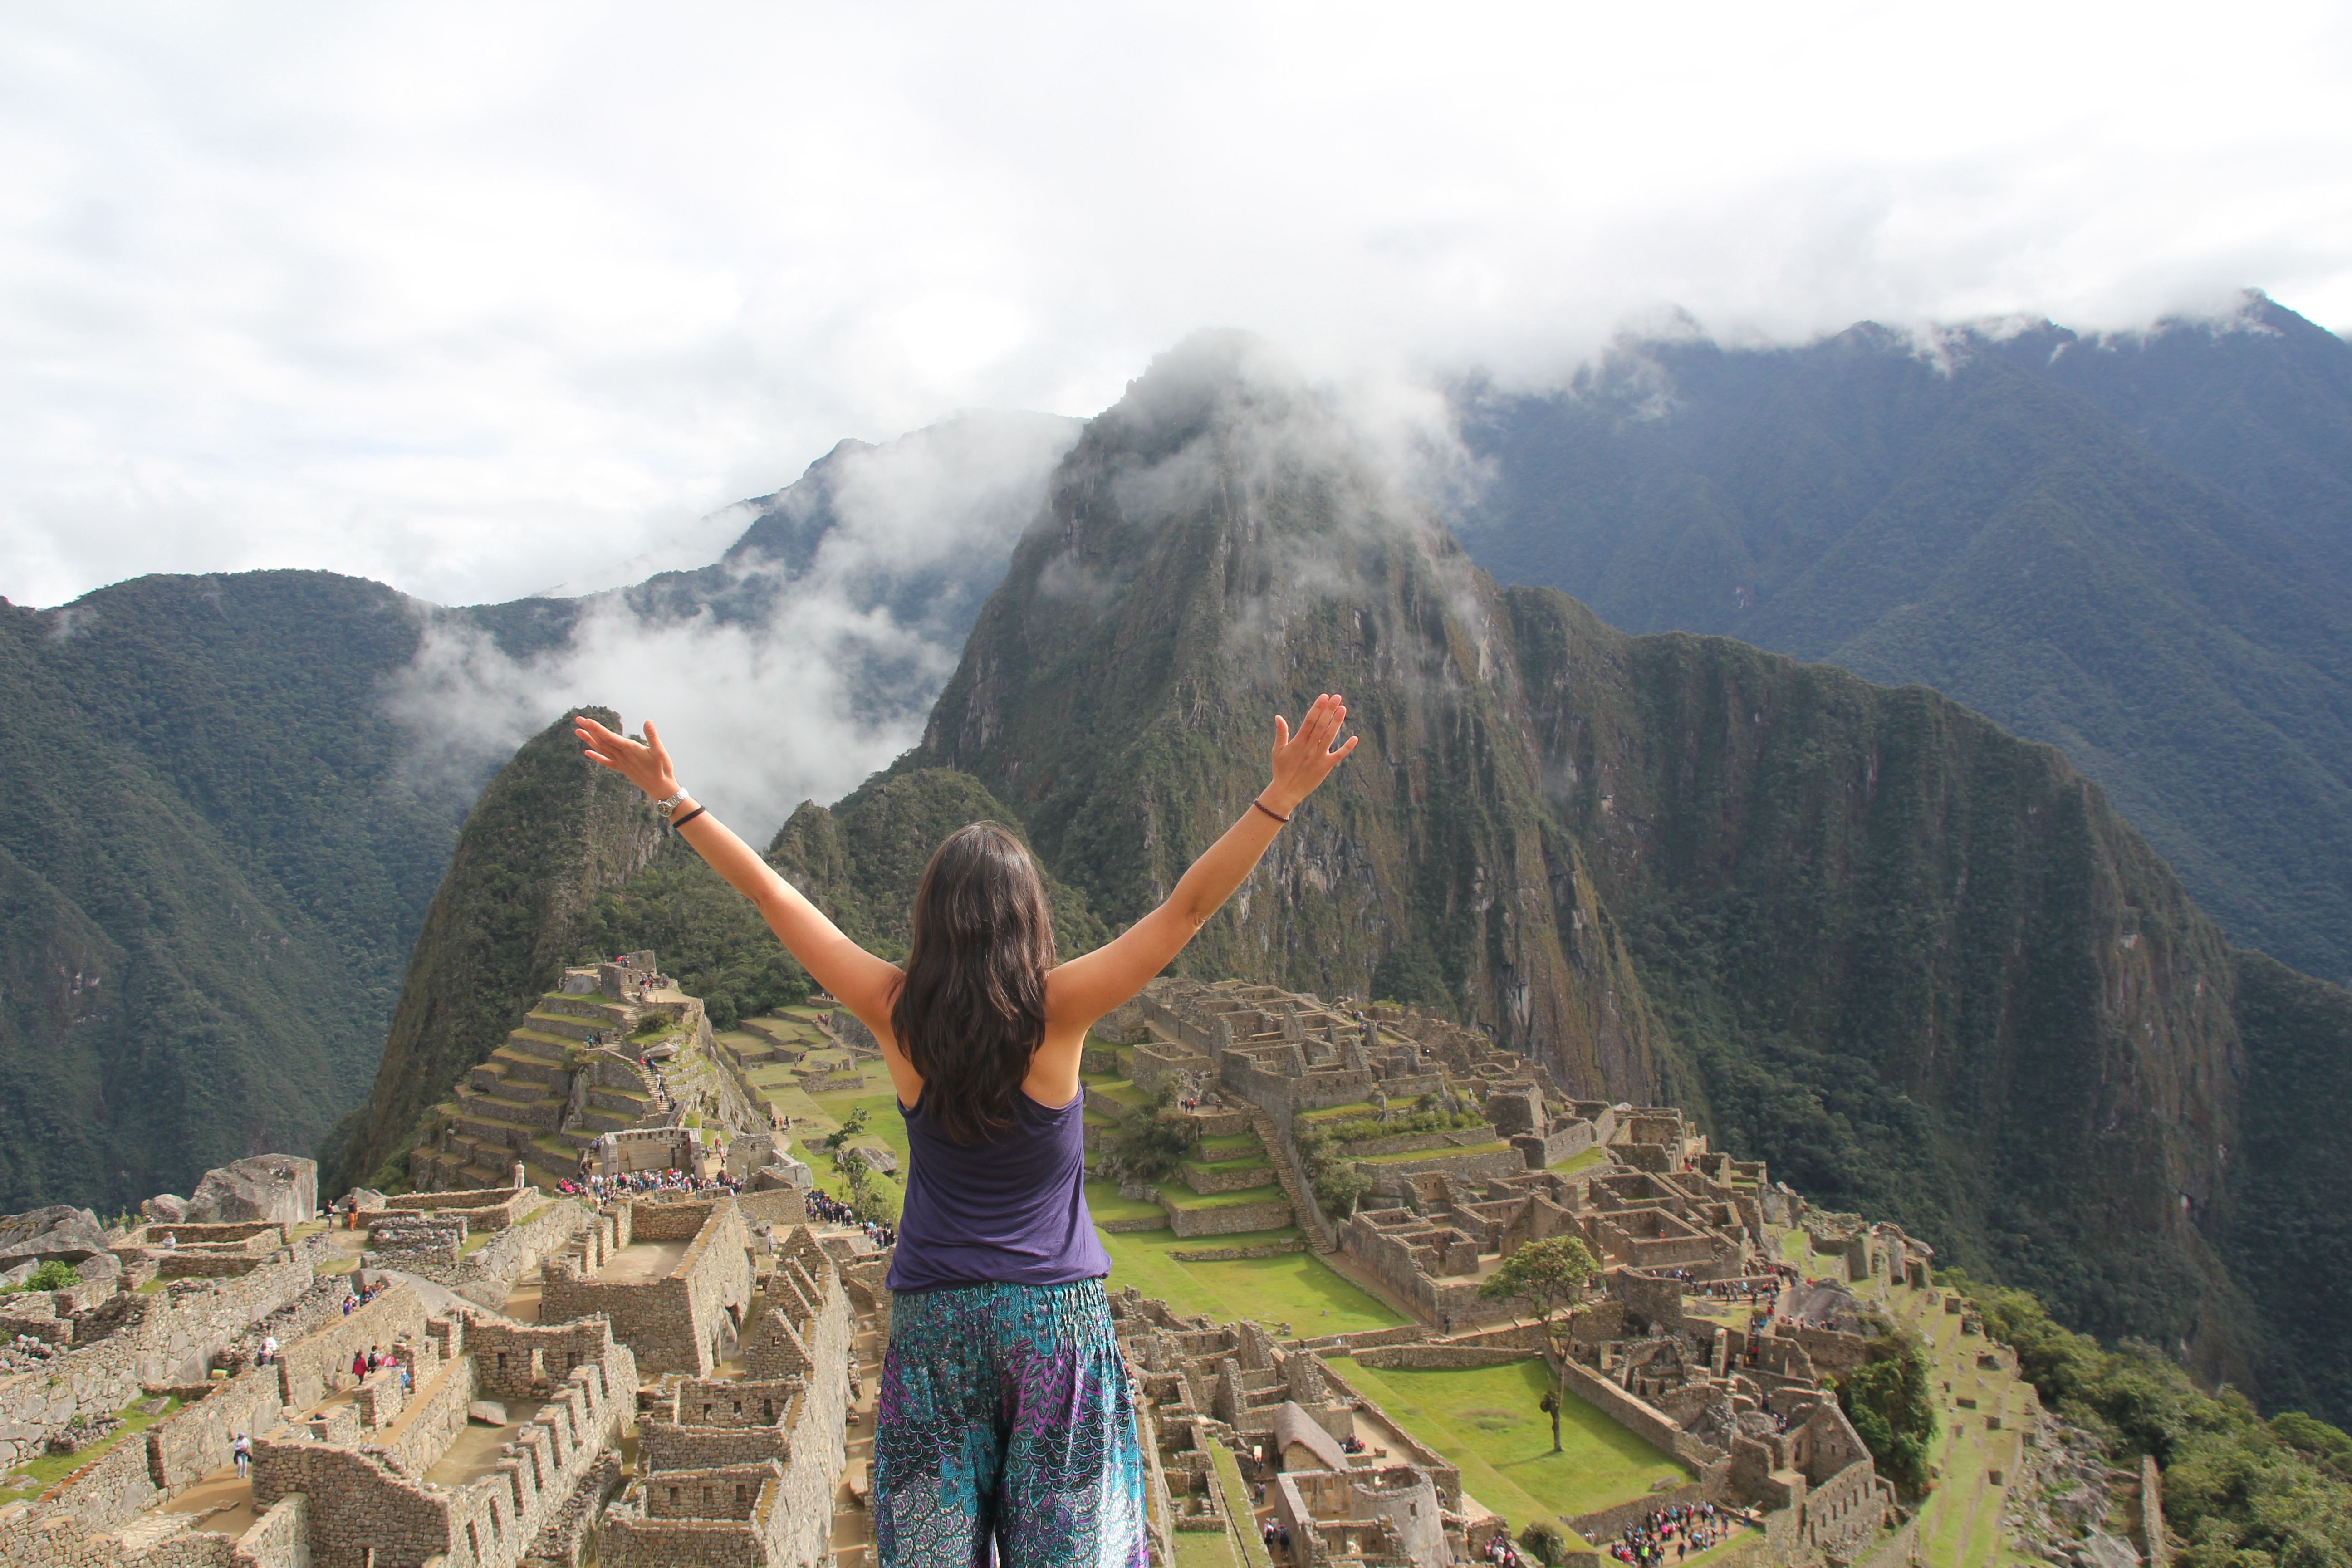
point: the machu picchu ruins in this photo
(612, 1325)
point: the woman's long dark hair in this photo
(971, 1011)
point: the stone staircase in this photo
(1295, 1185)
(518, 1105)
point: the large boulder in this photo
(273, 1187)
(164, 1208)
(784, 1173)
(67, 1235)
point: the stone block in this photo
(489, 1412)
(283, 1188)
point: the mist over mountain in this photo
(2136, 548)
(229, 801)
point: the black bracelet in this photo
(1269, 811)
(690, 816)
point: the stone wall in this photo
(1230, 1254)
(195, 1438)
(364, 1508)
(484, 1208)
(1227, 1177)
(168, 1337)
(30, 1538)
(1603, 1524)
(281, 1538)
(675, 1322)
(1471, 1168)
(1443, 1356)
(312, 1367)
(632, 1537)
(776, 1206)
(1644, 1420)
(1232, 1220)
(487, 1275)
(668, 1446)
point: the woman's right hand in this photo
(646, 765)
(1303, 761)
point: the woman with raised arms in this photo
(1004, 1423)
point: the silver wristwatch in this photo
(666, 807)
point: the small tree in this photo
(849, 1164)
(1892, 1410)
(1153, 1141)
(54, 1274)
(1547, 1275)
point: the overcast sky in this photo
(477, 298)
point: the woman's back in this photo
(1011, 1208)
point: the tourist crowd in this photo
(601, 1188)
(354, 1299)
(1686, 1529)
(822, 1206)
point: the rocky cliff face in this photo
(1215, 551)
(1917, 963)
(551, 832)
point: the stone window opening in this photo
(502, 1360)
(473, 1543)
(673, 1497)
(742, 1494)
(706, 1499)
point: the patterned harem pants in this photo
(1004, 1418)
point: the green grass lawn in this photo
(1485, 1419)
(1184, 1197)
(1104, 1203)
(1204, 1549)
(884, 1127)
(1584, 1160)
(46, 1471)
(1297, 1287)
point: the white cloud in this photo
(829, 679)
(468, 297)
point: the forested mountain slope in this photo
(1920, 964)
(211, 868)
(2134, 549)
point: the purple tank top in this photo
(1010, 1211)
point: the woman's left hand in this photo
(646, 766)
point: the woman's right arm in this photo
(1083, 990)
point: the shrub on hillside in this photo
(1892, 1410)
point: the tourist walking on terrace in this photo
(1004, 1419)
